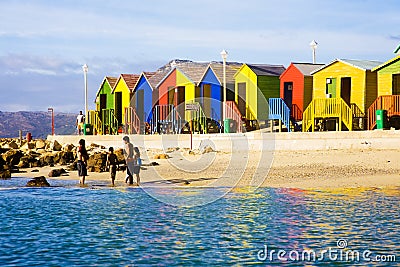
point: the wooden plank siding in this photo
(168, 82)
(385, 76)
(293, 75)
(359, 80)
(268, 87)
(247, 76)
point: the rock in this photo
(54, 146)
(24, 162)
(207, 149)
(40, 144)
(28, 146)
(120, 155)
(206, 146)
(46, 159)
(153, 163)
(38, 182)
(12, 145)
(68, 148)
(35, 170)
(63, 158)
(161, 156)
(56, 172)
(97, 162)
(5, 174)
(12, 156)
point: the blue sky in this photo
(44, 43)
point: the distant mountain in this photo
(37, 123)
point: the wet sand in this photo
(287, 169)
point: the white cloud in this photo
(40, 71)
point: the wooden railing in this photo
(166, 120)
(132, 121)
(327, 108)
(390, 103)
(109, 122)
(232, 112)
(296, 113)
(278, 110)
(94, 120)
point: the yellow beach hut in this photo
(254, 85)
(342, 90)
(123, 92)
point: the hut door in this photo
(288, 93)
(396, 84)
(118, 107)
(345, 89)
(206, 99)
(242, 98)
(181, 101)
(103, 102)
(140, 104)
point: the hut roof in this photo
(110, 80)
(360, 64)
(307, 68)
(386, 63)
(266, 69)
(218, 69)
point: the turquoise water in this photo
(70, 226)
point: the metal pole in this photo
(52, 120)
(224, 81)
(85, 70)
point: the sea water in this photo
(99, 226)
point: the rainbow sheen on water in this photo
(71, 226)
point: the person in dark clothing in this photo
(82, 156)
(112, 163)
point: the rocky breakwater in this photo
(16, 156)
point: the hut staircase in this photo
(359, 117)
(94, 120)
(132, 121)
(278, 110)
(391, 103)
(324, 108)
(109, 122)
(166, 119)
(232, 112)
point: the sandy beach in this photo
(287, 169)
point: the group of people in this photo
(132, 160)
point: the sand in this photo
(286, 169)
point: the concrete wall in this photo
(254, 140)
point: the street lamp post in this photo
(85, 69)
(52, 119)
(224, 55)
(314, 46)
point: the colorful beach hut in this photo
(211, 88)
(388, 90)
(123, 91)
(178, 88)
(105, 106)
(342, 90)
(255, 84)
(296, 86)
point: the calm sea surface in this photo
(100, 226)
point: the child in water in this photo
(112, 164)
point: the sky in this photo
(44, 43)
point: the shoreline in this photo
(283, 169)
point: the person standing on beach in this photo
(112, 164)
(137, 162)
(82, 156)
(129, 159)
(80, 119)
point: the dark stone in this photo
(5, 174)
(12, 157)
(34, 170)
(56, 172)
(38, 182)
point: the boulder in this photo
(12, 156)
(63, 158)
(5, 174)
(120, 155)
(97, 162)
(40, 144)
(68, 148)
(56, 172)
(161, 156)
(39, 181)
(28, 146)
(12, 144)
(24, 162)
(53, 146)
(171, 149)
(46, 159)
